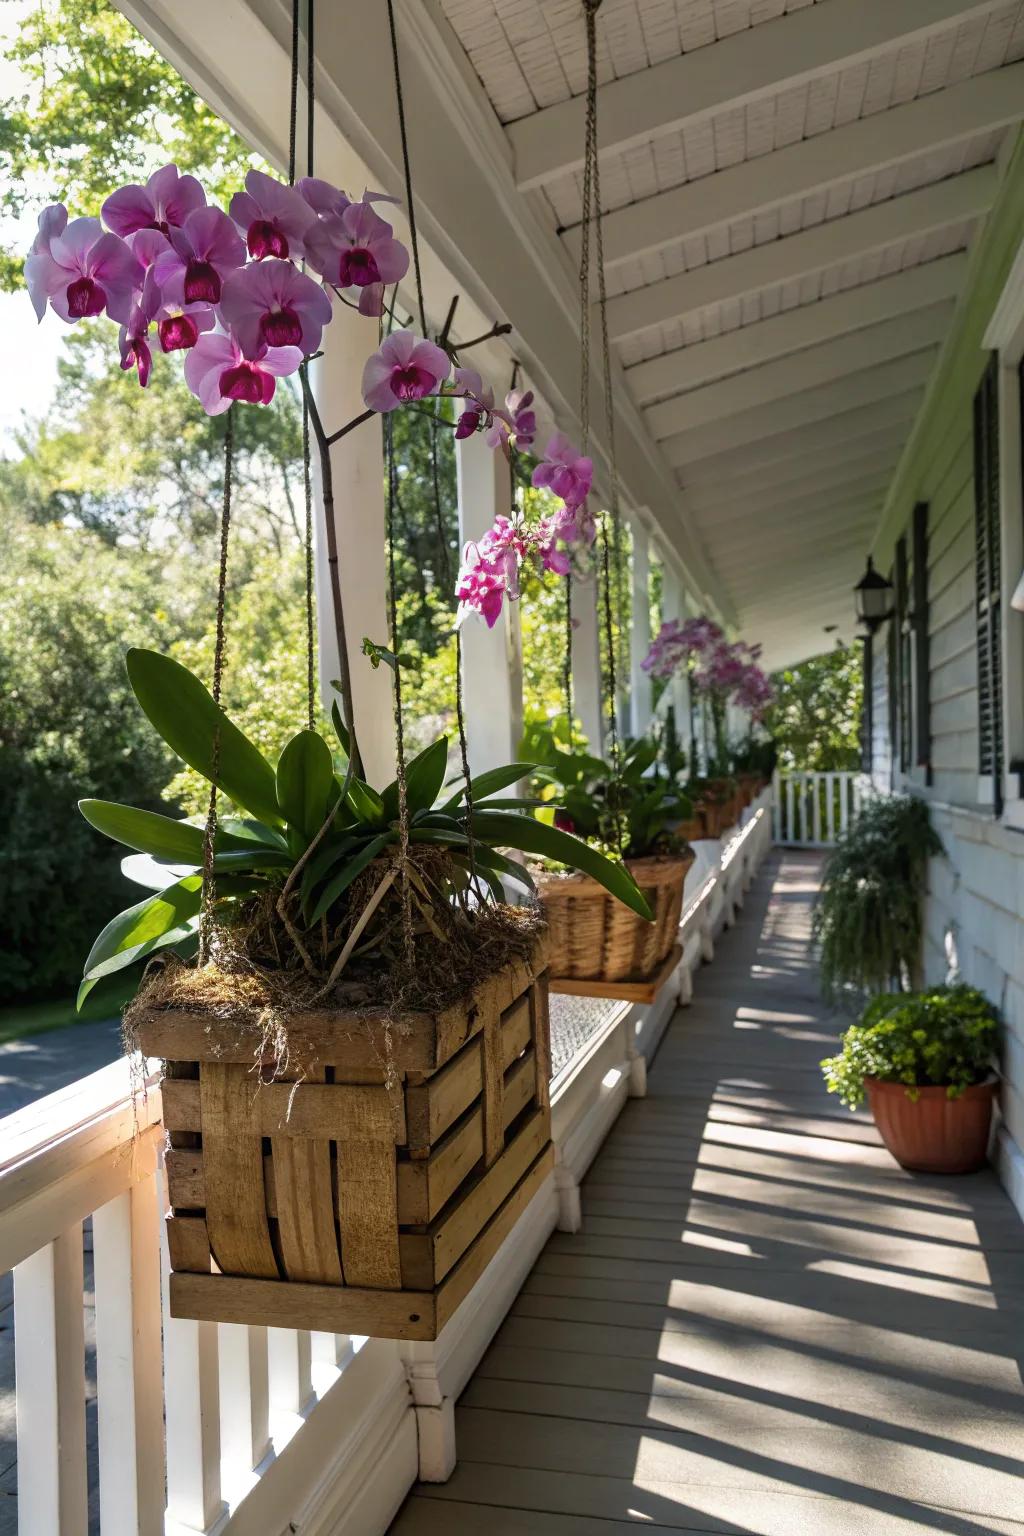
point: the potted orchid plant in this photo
(352, 937)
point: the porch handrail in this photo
(812, 808)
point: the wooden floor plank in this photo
(765, 1327)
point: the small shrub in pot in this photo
(924, 1062)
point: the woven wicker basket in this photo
(594, 937)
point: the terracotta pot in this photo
(933, 1133)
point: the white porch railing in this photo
(228, 1430)
(812, 809)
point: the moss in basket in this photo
(943, 1037)
(308, 874)
(629, 813)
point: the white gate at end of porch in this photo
(810, 810)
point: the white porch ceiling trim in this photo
(745, 67)
(767, 495)
(801, 443)
(953, 201)
(864, 147)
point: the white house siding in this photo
(974, 909)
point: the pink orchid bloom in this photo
(178, 325)
(562, 532)
(217, 372)
(81, 270)
(53, 221)
(273, 304)
(480, 588)
(357, 249)
(404, 368)
(516, 424)
(322, 196)
(479, 408)
(565, 472)
(132, 338)
(201, 254)
(164, 202)
(273, 217)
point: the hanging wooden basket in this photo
(599, 948)
(366, 1190)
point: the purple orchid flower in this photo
(479, 408)
(357, 249)
(132, 338)
(404, 368)
(565, 472)
(273, 217)
(217, 372)
(165, 202)
(480, 588)
(518, 422)
(178, 325)
(81, 270)
(273, 304)
(201, 254)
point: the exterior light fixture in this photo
(873, 596)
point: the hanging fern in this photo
(868, 921)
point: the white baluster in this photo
(192, 1397)
(790, 819)
(129, 1381)
(49, 1363)
(816, 783)
(244, 1400)
(291, 1382)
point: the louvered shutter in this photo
(867, 724)
(922, 665)
(987, 569)
(903, 674)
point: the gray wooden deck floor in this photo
(765, 1327)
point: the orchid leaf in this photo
(340, 729)
(511, 831)
(153, 924)
(354, 867)
(184, 714)
(490, 782)
(424, 775)
(366, 804)
(305, 779)
(162, 837)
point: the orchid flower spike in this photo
(565, 472)
(165, 202)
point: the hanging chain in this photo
(209, 896)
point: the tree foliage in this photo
(816, 715)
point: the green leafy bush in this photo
(868, 917)
(945, 1036)
(629, 812)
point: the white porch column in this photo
(357, 464)
(586, 662)
(492, 673)
(673, 606)
(640, 632)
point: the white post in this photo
(586, 662)
(640, 632)
(491, 658)
(673, 606)
(357, 463)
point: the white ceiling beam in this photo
(935, 207)
(806, 326)
(879, 447)
(794, 587)
(767, 499)
(848, 429)
(809, 369)
(761, 61)
(798, 410)
(982, 104)
(791, 515)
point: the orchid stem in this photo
(349, 426)
(502, 328)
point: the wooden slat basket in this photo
(345, 1195)
(599, 948)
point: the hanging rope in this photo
(209, 895)
(408, 941)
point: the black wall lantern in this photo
(873, 596)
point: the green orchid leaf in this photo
(490, 782)
(340, 729)
(162, 837)
(150, 925)
(424, 775)
(508, 830)
(343, 880)
(183, 713)
(365, 803)
(305, 780)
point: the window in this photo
(987, 579)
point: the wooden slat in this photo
(428, 1256)
(541, 1042)
(435, 1104)
(188, 1243)
(281, 1304)
(305, 1199)
(426, 1184)
(308, 1109)
(628, 991)
(236, 1214)
(368, 1204)
(493, 1089)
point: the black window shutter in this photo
(867, 712)
(891, 697)
(922, 673)
(988, 579)
(903, 678)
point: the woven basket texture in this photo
(594, 937)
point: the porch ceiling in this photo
(793, 187)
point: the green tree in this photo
(100, 107)
(815, 719)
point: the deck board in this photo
(765, 1327)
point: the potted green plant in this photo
(868, 917)
(924, 1061)
(623, 811)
